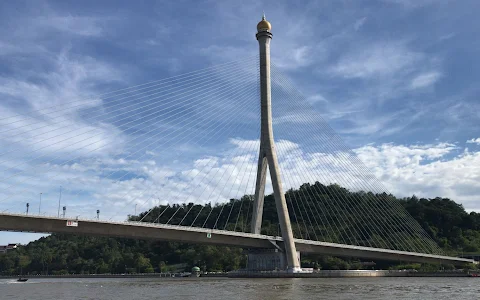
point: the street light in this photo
(59, 198)
(135, 209)
(40, 203)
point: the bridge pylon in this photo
(268, 155)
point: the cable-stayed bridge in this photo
(186, 234)
(195, 154)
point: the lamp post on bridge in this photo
(28, 205)
(59, 198)
(40, 203)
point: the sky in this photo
(130, 104)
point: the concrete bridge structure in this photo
(194, 235)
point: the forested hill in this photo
(447, 222)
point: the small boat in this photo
(20, 278)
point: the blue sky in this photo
(396, 79)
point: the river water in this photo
(242, 289)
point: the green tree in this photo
(143, 264)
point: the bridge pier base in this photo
(260, 260)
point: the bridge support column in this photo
(268, 155)
(267, 260)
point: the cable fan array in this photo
(333, 196)
(130, 147)
(183, 151)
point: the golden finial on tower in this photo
(264, 25)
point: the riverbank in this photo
(277, 274)
(349, 274)
(146, 275)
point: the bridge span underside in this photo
(194, 235)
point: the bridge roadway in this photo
(141, 230)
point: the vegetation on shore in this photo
(447, 222)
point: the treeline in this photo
(447, 222)
(334, 214)
(67, 254)
(456, 231)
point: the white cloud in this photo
(316, 98)
(384, 125)
(376, 60)
(84, 26)
(52, 124)
(359, 23)
(209, 161)
(426, 171)
(405, 170)
(223, 53)
(295, 117)
(297, 56)
(446, 37)
(425, 80)
(411, 4)
(385, 74)
(242, 144)
(474, 141)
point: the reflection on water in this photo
(224, 288)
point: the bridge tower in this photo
(268, 155)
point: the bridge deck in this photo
(140, 230)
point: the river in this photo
(242, 289)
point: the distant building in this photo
(9, 247)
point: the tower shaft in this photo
(268, 156)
